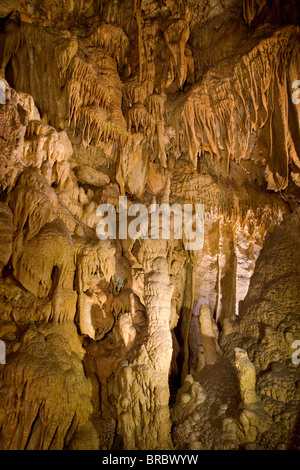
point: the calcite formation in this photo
(139, 342)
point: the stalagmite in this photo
(161, 116)
(38, 422)
(152, 365)
(246, 376)
(207, 334)
(252, 8)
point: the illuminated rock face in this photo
(142, 343)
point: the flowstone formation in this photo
(142, 343)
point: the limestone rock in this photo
(135, 342)
(88, 175)
(246, 376)
(6, 243)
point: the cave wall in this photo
(145, 344)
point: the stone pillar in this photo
(143, 382)
(207, 335)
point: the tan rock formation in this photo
(246, 376)
(133, 342)
(207, 335)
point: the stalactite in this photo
(252, 8)
(207, 335)
(112, 39)
(138, 116)
(155, 105)
(176, 37)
